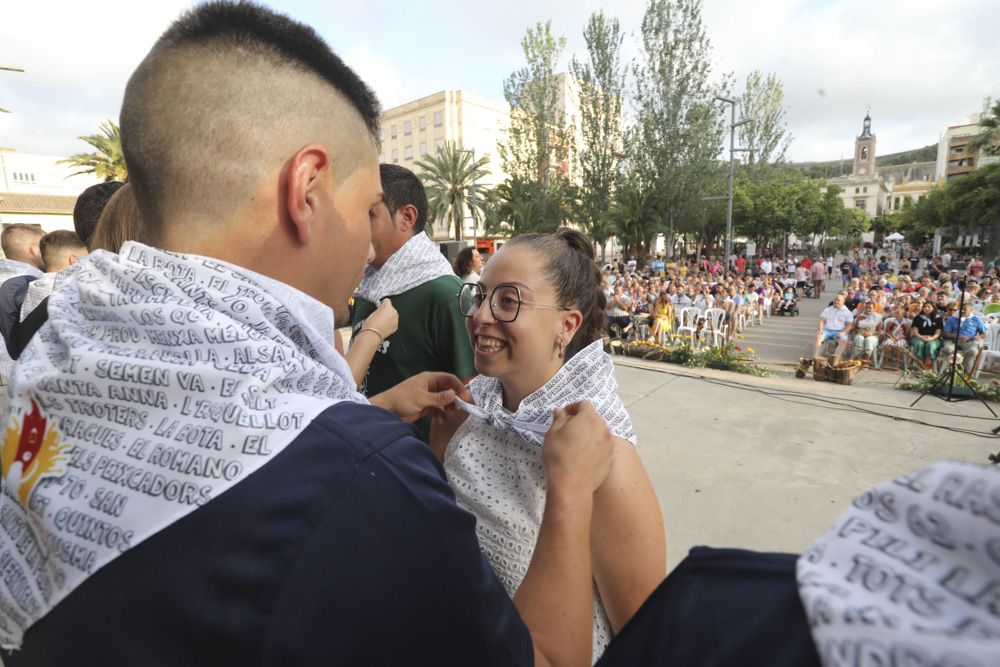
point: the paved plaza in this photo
(784, 339)
(769, 463)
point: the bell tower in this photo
(864, 150)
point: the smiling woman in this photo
(535, 322)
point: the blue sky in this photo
(920, 65)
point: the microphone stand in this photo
(948, 377)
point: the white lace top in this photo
(498, 476)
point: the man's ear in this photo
(71, 260)
(407, 216)
(306, 188)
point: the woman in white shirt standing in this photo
(535, 322)
(468, 264)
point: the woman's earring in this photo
(562, 344)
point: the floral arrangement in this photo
(922, 379)
(728, 357)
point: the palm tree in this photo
(449, 177)
(108, 161)
(989, 139)
(632, 220)
(513, 208)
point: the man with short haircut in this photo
(834, 322)
(410, 270)
(20, 248)
(968, 338)
(60, 250)
(22, 259)
(89, 206)
(818, 270)
(194, 467)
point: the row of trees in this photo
(643, 157)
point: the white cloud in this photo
(77, 57)
(920, 64)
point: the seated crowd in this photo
(648, 303)
(910, 316)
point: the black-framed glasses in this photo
(505, 301)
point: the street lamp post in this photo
(729, 186)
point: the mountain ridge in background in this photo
(833, 168)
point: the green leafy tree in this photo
(989, 139)
(107, 161)
(537, 141)
(631, 218)
(520, 207)
(449, 177)
(766, 134)
(602, 82)
(975, 202)
(675, 143)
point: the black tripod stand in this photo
(948, 377)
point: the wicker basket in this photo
(841, 373)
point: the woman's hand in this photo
(385, 319)
(577, 451)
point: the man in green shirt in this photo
(410, 271)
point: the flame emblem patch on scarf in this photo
(32, 451)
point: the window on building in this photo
(392, 131)
(381, 158)
(895, 203)
(407, 127)
(865, 189)
(438, 118)
(423, 148)
(857, 190)
(422, 122)
(860, 203)
(408, 153)
(439, 144)
(395, 155)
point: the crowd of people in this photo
(908, 309)
(648, 302)
(196, 472)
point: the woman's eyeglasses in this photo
(505, 301)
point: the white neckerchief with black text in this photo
(159, 381)
(418, 261)
(910, 573)
(589, 375)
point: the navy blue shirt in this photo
(346, 549)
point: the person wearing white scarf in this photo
(189, 476)
(536, 358)
(409, 269)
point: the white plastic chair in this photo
(715, 327)
(992, 350)
(689, 324)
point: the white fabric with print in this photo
(418, 261)
(910, 574)
(494, 463)
(589, 375)
(159, 381)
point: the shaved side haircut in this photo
(16, 239)
(89, 206)
(57, 246)
(227, 94)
